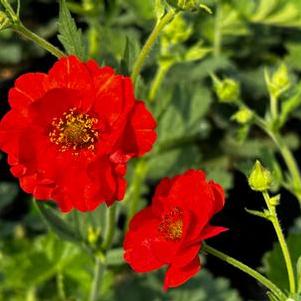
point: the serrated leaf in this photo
(69, 35)
(57, 224)
(203, 287)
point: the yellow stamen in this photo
(74, 131)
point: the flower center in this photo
(171, 226)
(74, 131)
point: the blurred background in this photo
(238, 40)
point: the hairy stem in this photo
(284, 248)
(149, 43)
(217, 44)
(159, 77)
(246, 269)
(26, 33)
(110, 227)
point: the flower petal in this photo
(177, 275)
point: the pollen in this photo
(171, 226)
(74, 131)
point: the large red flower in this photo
(70, 133)
(170, 231)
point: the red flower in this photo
(170, 231)
(70, 133)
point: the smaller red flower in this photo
(170, 231)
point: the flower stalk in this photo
(150, 42)
(246, 269)
(17, 26)
(27, 34)
(98, 273)
(283, 245)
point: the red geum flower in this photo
(70, 133)
(171, 230)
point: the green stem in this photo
(290, 163)
(60, 286)
(137, 183)
(12, 15)
(98, 273)
(26, 33)
(217, 31)
(100, 267)
(110, 227)
(246, 269)
(274, 107)
(159, 77)
(286, 154)
(150, 42)
(285, 251)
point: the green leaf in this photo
(179, 131)
(278, 13)
(124, 63)
(115, 257)
(69, 35)
(290, 105)
(57, 224)
(203, 287)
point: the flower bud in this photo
(243, 116)
(92, 235)
(4, 21)
(227, 90)
(177, 31)
(279, 81)
(280, 78)
(260, 179)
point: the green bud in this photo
(243, 116)
(227, 90)
(177, 31)
(92, 235)
(4, 21)
(279, 82)
(188, 5)
(275, 200)
(260, 178)
(280, 78)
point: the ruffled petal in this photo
(28, 88)
(114, 101)
(138, 243)
(140, 134)
(210, 231)
(69, 72)
(177, 275)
